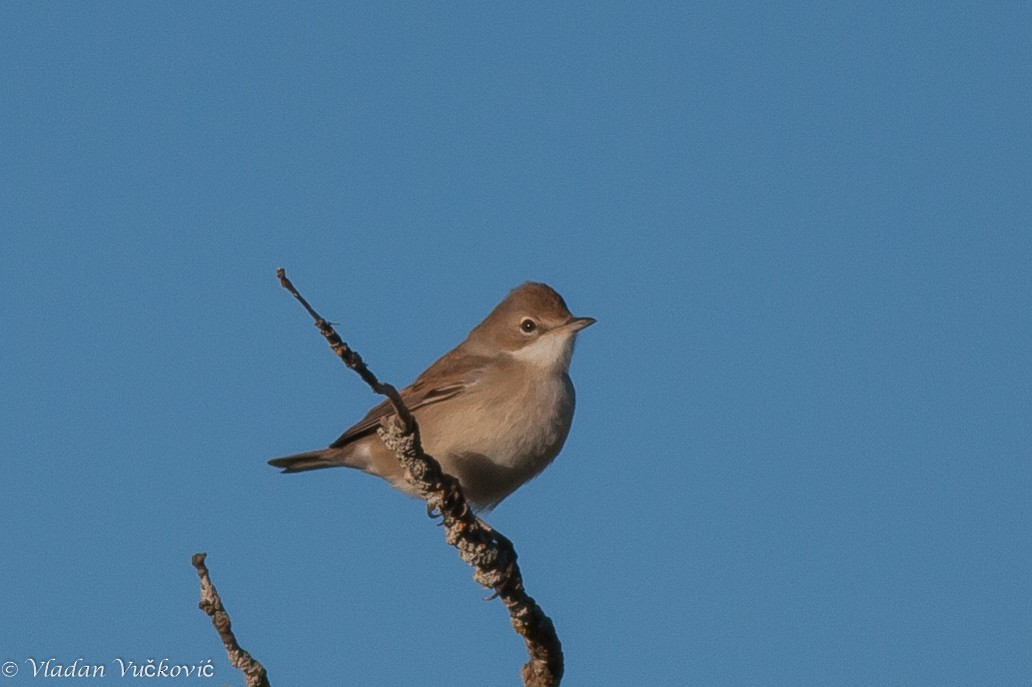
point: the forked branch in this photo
(491, 555)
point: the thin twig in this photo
(491, 555)
(211, 603)
(352, 359)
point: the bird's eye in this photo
(528, 325)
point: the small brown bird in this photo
(494, 411)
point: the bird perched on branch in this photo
(494, 411)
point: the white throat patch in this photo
(550, 351)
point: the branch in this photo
(211, 603)
(491, 555)
(350, 358)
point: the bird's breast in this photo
(519, 423)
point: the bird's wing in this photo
(444, 379)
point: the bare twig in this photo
(348, 356)
(211, 603)
(491, 555)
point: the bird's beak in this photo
(578, 323)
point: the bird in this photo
(494, 411)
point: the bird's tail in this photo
(299, 462)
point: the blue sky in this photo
(802, 447)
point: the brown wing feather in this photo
(448, 376)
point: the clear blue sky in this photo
(802, 447)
